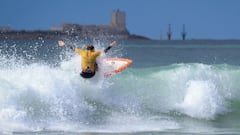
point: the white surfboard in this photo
(115, 65)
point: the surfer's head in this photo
(90, 47)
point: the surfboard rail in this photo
(117, 64)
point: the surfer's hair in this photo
(90, 47)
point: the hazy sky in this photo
(216, 19)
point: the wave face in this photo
(40, 96)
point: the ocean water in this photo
(172, 89)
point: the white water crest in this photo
(39, 96)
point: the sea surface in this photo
(170, 89)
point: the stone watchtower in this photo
(119, 20)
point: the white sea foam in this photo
(202, 100)
(38, 96)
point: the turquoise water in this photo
(169, 89)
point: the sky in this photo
(203, 19)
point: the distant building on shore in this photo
(117, 27)
(115, 30)
(5, 28)
(118, 20)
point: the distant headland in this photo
(115, 30)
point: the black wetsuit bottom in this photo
(87, 74)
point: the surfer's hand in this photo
(61, 43)
(113, 43)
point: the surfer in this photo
(89, 56)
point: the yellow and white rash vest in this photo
(88, 58)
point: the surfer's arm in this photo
(110, 46)
(107, 49)
(62, 43)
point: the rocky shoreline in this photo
(66, 35)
